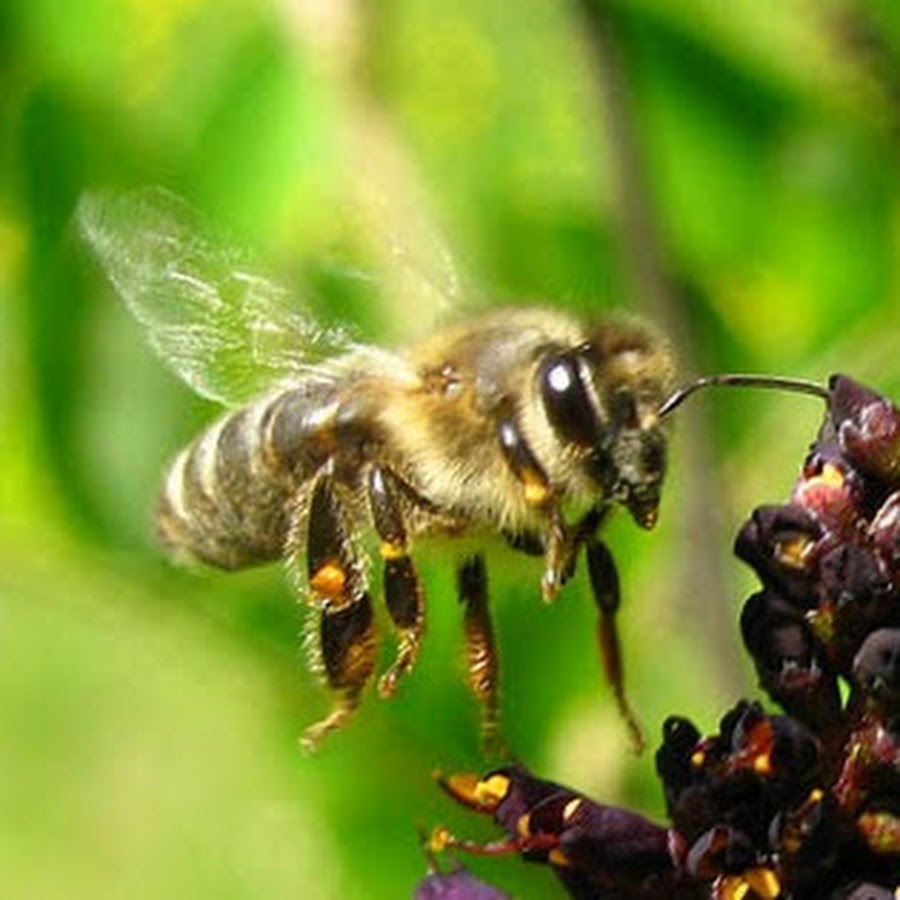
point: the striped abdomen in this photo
(226, 498)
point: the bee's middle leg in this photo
(604, 580)
(346, 640)
(402, 587)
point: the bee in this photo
(524, 422)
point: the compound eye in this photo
(566, 400)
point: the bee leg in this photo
(560, 543)
(605, 587)
(345, 643)
(481, 650)
(402, 588)
(563, 544)
(526, 541)
(539, 495)
(347, 648)
(558, 555)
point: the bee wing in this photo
(421, 282)
(227, 330)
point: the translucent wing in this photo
(420, 280)
(227, 330)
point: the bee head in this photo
(602, 398)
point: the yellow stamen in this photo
(764, 883)
(523, 826)
(732, 887)
(831, 475)
(440, 839)
(491, 791)
(794, 552)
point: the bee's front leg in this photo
(559, 554)
(402, 588)
(539, 495)
(564, 543)
(345, 643)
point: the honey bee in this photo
(524, 422)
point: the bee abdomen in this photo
(226, 498)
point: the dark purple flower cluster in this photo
(824, 634)
(756, 814)
(598, 852)
(792, 806)
(829, 561)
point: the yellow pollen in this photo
(391, 550)
(697, 759)
(329, 580)
(558, 858)
(536, 492)
(762, 764)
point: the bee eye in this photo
(566, 400)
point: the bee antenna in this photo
(775, 382)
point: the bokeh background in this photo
(730, 170)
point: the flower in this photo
(797, 805)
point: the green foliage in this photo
(150, 715)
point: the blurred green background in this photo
(730, 170)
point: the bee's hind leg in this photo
(402, 588)
(347, 648)
(345, 641)
(481, 651)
